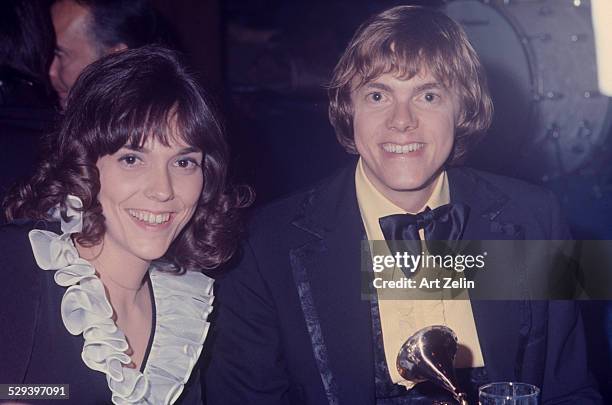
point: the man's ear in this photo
(117, 48)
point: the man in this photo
(86, 30)
(409, 97)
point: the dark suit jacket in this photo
(292, 327)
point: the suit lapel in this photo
(487, 204)
(502, 326)
(328, 279)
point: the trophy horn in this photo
(428, 355)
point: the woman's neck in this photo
(122, 274)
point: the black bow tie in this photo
(445, 223)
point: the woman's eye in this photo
(187, 163)
(129, 160)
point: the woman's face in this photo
(148, 195)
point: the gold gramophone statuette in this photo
(428, 355)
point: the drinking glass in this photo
(508, 393)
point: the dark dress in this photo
(37, 348)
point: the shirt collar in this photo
(374, 205)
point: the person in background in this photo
(86, 30)
(295, 324)
(26, 97)
(100, 271)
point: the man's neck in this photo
(412, 201)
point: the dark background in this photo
(268, 62)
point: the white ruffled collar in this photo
(183, 303)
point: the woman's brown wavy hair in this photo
(124, 99)
(405, 40)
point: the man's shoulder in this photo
(510, 201)
(516, 190)
(319, 199)
(280, 212)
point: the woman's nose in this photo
(159, 187)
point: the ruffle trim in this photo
(183, 303)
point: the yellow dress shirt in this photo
(401, 318)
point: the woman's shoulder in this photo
(20, 289)
(19, 270)
(21, 227)
(14, 239)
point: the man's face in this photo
(404, 132)
(74, 48)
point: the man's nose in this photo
(403, 117)
(159, 186)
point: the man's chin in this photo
(407, 188)
(414, 184)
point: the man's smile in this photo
(400, 149)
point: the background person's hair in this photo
(125, 99)
(26, 37)
(404, 41)
(134, 23)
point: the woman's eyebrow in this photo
(135, 148)
(143, 149)
(189, 149)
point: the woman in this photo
(111, 301)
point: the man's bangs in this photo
(404, 62)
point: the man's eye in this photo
(376, 97)
(431, 97)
